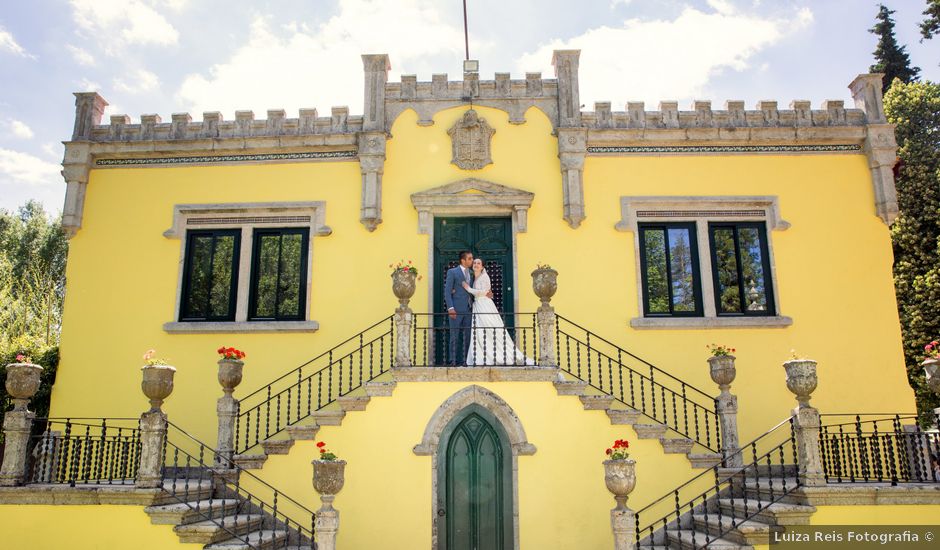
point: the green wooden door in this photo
(489, 239)
(476, 510)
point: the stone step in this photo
(183, 489)
(623, 416)
(778, 513)
(210, 531)
(303, 432)
(181, 513)
(650, 431)
(353, 402)
(256, 540)
(704, 460)
(676, 445)
(570, 387)
(749, 532)
(328, 417)
(277, 446)
(250, 462)
(596, 402)
(379, 389)
(689, 539)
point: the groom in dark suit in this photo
(459, 307)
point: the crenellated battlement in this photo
(501, 87)
(733, 115)
(214, 125)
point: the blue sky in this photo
(167, 56)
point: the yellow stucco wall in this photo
(104, 527)
(563, 502)
(895, 514)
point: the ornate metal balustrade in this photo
(637, 383)
(434, 343)
(878, 448)
(768, 476)
(313, 385)
(77, 451)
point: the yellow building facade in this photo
(764, 230)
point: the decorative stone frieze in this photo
(572, 148)
(470, 140)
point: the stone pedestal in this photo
(623, 523)
(404, 322)
(152, 435)
(545, 318)
(327, 524)
(227, 409)
(16, 430)
(620, 478)
(723, 372)
(802, 381)
(329, 476)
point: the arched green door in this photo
(477, 492)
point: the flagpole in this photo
(466, 36)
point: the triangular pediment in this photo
(475, 189)
(472, 197)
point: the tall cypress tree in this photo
(915, 109)
(890, 57)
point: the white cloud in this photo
(319, 66)
(23, 168)
(19, 129)
(659, 59)
(52, 149)
(8, 43)
(81, 56)
(118, 22)
(86, 85)
(138, 81)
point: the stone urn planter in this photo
(157, 384)
(230, 374)
(545, 283)
(801, 379)
(22, 383)
(932, 371)
(620, 477)
(329, 477)
(722, 370)
(404, 285)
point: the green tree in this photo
(915, 109)
(931, 23)
(890, 57)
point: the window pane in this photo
(657, 284)
(221, 289)
(726, 269)
(680, 260)
(200, 261)
(289, 295)
(266, 289)
(752, 266)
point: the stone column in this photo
(230, 375)
(623, 523)
(157, 385)
(723, 373)
(328, 480)
(22, 382)
(880, 146)
(404, 320)
(89, 109)
(545, 284)
(572, 148)
(566, 71)
(620, 478)
(372, 139)
(801, 380)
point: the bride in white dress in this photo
(490, 343)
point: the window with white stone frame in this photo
(704, 262)
(245, 267)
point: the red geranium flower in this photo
(321, 444)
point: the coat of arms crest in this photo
(470, 138)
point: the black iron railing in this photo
(878, 448)
(314, 385)
(768, 475)
(262, 516)
(474, 339)
(78, 451)
(637, 383)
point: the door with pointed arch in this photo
(474, 505)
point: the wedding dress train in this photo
(490, 343)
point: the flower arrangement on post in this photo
(544, 282)
(329, 473)
(404, 278)
(721, 365)
(23, 359)
(157, 383)
(230, 368)
(620, 472)
(931, 364)
(801, 377)
(22, 381)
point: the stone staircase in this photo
(206, 512)
(646, 428)
(741, 517)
